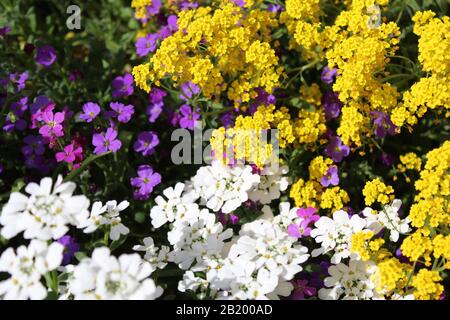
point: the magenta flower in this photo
(337, 150)
(69, 154)
(145, 182)
(33, 145)
(299, 231)
(70, 248)
(331, 177)
(105, 142)
(121, 111)
(188, 119)
(301, 289)
(147, 44)
(328, 75)
(46, 56)
(52, 124)
(308, 214)
(122, 86)
(146, 143)
(188, 90)
(90, 111)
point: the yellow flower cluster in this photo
(433, 91)
(140, 7)
(441, 248)
(409, 161)
(391, 274)
(309, 126)
(376, 191)
(426, 285)
(311, 193)
(223, 49)
(247, 140)
(418, 245)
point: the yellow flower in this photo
(426, 285)
(377, 191)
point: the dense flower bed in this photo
(314, 162)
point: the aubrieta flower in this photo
(301, 289)
(70, 248)
(145, 182)
(263, 98)
(4, 31)
(146, 143)
(33, 145)
(122, 86)
(387, 159)
(383, 124)
(331, 177)
(106, 141)
(46, 56)
(69, 154)
(13, 118)
(52, 124)
(156, 104)
(170, 28)
(186, 4)
(337, 150)
(328, 75)
(332, 105)
(188, 90)
(308, 214)
(90, 111)
(121, 111)
(147, 44)
(19, 80)
(75, 75)
(189, 118)
(276, 8)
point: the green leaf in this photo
(117, 243)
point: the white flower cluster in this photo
(272, 183)
(105, 277)
(46, 213)
(157, 257)
(222, 187)
(26, 267)
(352, 280)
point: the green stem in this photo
(85, 163)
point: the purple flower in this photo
(337, 150)
(52, 124)
(122, 86)
(19, 79)
(328, 75)
(387, 159)
(154, 8)
(46, 56)
(228, 118)
(13, 119)
(75, 75)
(145, 182)
(274, 8)
(105, 142)
(383, 124)
(308, 214)
(301, 289)
(186, 4)
(332, 105)
(188, 118)
(90, 111)
(121, 111)
(188, 89)
(2, 168)
(33, 145)
(69, 154)
(171, 27)
(70, 248)
(147, 44)
(156, 105)
(263, 98)
(146, 143)
(240, 3)
(4, 30)
(331, 177)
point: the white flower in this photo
(27, 266)
(271, 184)
(335, 234)
(388, 218)
(46, 213)
(157, 257)
(107, 214)
(350, 282)
(195, 238)
(106, 277)
(174, 207)
(287, 216)
(223, 187)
